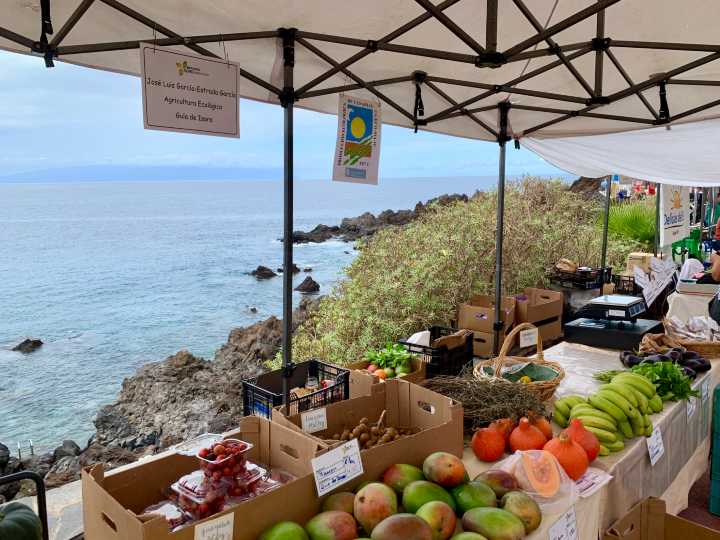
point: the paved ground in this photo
(698, 503)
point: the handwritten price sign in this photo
(337, 467)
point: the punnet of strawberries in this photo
(225, 459)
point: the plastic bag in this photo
(567, 492)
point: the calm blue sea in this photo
(118, 274)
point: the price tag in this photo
(592, 481)
(656, 449)
(528, 338)
(705, 391)
(337, 467)
(313, 421)
(691, 406)
(216, 529)
(564, 528)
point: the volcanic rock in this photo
(8, 491)
(4, 456)
(587, 187)
(295, 269)
(263, 272)
(67, 449)
(28, 345)
(309, 285)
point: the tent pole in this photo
(657, 219)
(504, 108)
(287, 99)
(603, 261)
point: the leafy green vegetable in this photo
(393, 356)
(669, 379)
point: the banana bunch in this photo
(619, 410)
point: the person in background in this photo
(716, 237)
(709, 212)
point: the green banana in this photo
(563, 407)
(574, 400)
(643, 402)
(615, 446)
(656, 404)
(638, 426)
(627, 429)
(589, 410)
(620, 435)
(597, 422)
(622, 389)
(559, 419)
(646, 420)
(636, 381)
(619, 401)
(648, 431)
(603, 435)
(604, 405)
(604, 450)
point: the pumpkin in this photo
(569, 454)
(541, 469)
(488, 444)
(526, 437)
(542, 424)
(504, 426)
(19, 522)
(584, 437)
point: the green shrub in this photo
(406, 279)
(634, 221)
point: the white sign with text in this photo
(656, 449)
(189, 93)
(216, 529)
(675, 204)
(357, 149)
(528, 338)
(313, 421)
(565, 528)
(337, 467)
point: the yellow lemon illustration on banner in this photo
(358, 127)
(676, 200)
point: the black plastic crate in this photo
(590, 279)
(626, 285)
(440, 360)
(263, 393)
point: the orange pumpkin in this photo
(541, 469)
(488, 444)
(504, 426)
(584, 438)
(542, 424)
(569, 454)
(526, 437)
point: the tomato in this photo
(204, 452)
(217, 475)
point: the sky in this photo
(70, 116)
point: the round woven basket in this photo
(543, 389)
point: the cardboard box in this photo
(639, 259)
(478, 313)
(648, 520)
(362, 382)
(544, 309)
(112, 504)
(483, 343)
(439, 419)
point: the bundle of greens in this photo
(393, 359)
(670, 380)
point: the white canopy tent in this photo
(591, 85)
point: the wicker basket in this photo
(544, 389)
(706, 349)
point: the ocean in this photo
(114, 275)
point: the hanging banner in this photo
(189, 93)
(675, 204)
(357, 150)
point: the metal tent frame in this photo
(485, 56)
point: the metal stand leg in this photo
(499, 230)
(603, 260)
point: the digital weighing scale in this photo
(611, 322)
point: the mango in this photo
(500, 481)
(402, 527)
(420, 492)
(339, 501)
(373, 503)
(440, 517)
(474, 494)
(468, 536)
(362, 485)
(285, 530)
(332, 525)
(494, 524)
(444, 469)
(523, 506)
(400, 475)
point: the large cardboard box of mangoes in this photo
(362, 381)
(421, 420)
(648, 520)
(113, 503)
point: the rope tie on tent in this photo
(419, 108)
(664, 111)
(45, 30)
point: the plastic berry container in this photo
(199, 496)
(225, 459)
(173, 514)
